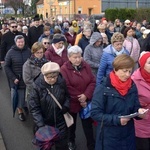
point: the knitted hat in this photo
(58, 37)
(50, 67)
(143, 58)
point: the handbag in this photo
(86, 111)
(68, 118)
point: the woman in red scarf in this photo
(114, 99)
(141, 78)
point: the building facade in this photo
(125, 4)
(63, 8)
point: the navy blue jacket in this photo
(15, 58)
(107, 105)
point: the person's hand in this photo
(124, 121)
(16, 81)
(83, 104)
(142, 112)
(82, 98)
(2, 62)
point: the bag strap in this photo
(54, 98)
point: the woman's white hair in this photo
(74, 50)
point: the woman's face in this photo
(51, 78)
(118, 45)
(59, 45)
(45, 43)
(123, 74)
(75, 59)
(39, 54)
(98, 43)
(147, 65)
(130, 33)
(47, 33)
(102, 30)
(87, 33)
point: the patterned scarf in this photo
(38, 62)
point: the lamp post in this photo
(137, 4)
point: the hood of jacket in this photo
(95, 37)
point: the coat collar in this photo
(70, 67)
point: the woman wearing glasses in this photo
(46, 43)
(57, 51)
(44, 109)
(109, 53)
(32, 67)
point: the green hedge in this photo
(124, 13)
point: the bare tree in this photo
(16, 4)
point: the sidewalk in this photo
(2, 146)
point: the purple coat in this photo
(142, 127)
(78, 82)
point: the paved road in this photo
(18, 135)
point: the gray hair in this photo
(18, 37)
(74, 50)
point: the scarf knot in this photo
(120, 86)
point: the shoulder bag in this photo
(68, 118)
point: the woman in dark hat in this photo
(44, 109)
(57, 51)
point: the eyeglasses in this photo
(46, 43)
(13, 26)
(51, 77)
(127, 23)
(39, 52)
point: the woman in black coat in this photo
(15, 58)
(43, 108)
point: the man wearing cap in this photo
(43, 108)
(35, 31)
(126, 24)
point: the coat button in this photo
(112, 94)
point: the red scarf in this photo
(121, 87)
(145, 75)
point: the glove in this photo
(64, 109)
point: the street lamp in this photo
(137, 4)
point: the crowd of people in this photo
(106, 63)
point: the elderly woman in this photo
(81, 83)
(57, 51)
(84, 41)
(15, 58)
(43, 108)
(141, 77)
(112, 100)
(93, 52)
(32, 67)
(110, 52)
(132, 45)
